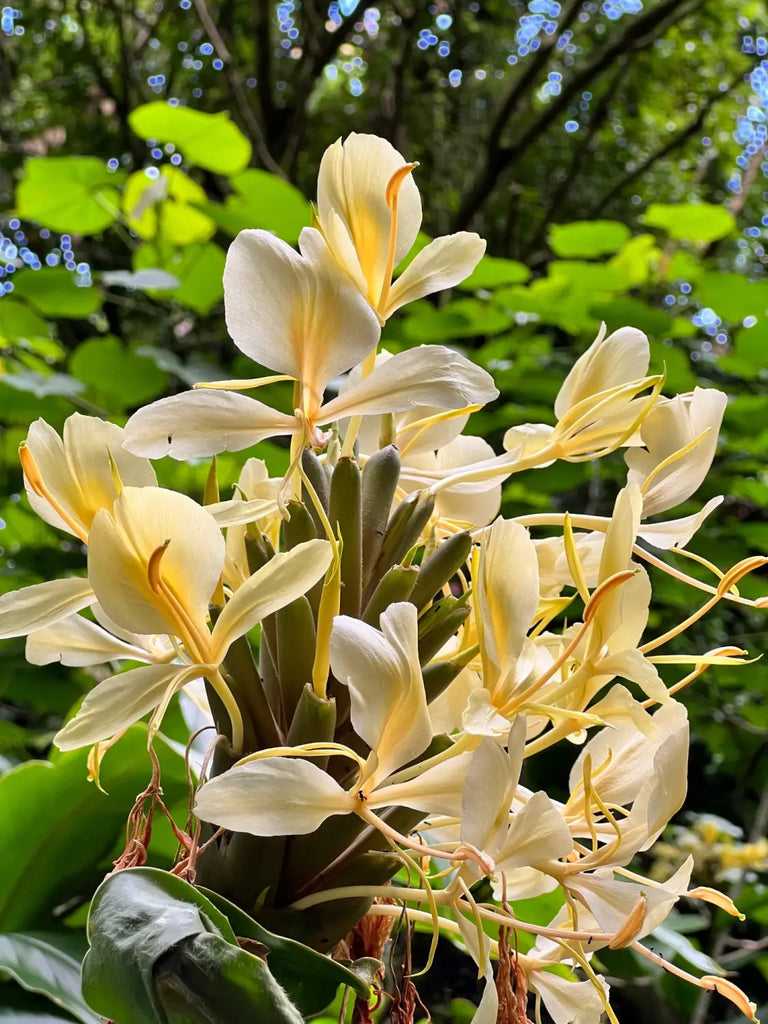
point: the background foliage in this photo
(614, 155)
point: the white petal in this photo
(116, 703)
(121, 545)
(487, 794)
(676, 533)
(608, 362)
(436, 791)
(480, 717)
(443, 263)
(78, 642)
(538, 832)
(274, 797)
(295, 315)
(670, 426)
(201, 423)
(284, 578)
(352, 182)
(427, 375)
(235, 512)
(381, 669)
(31, 608)
(568, 1002)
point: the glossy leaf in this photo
(309, 978)
(492, 272)
(199, 267)
(56, 828)
(47, 962)
(210, 141)
(161, 953)
(18, 322)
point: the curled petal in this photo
(443, 263)
(23, 611)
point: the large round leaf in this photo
(262, 200)
(54, 293)
(110, 369)
(69, 193)
(210, 141)
(585, 238)
(18, 322)
(693, 222)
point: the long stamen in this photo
(393, 191)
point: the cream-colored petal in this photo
(295, 315)
(78, 642)
(670, 426)
(609, 362)
(427, 375)
(676, 533)
(334, 242)
(381, 669)
(436, 791)
(23, 611)
(569, 1002)
(477, 509)
(145, 519)
(487, 795)
(443, 263)
(197, 424)
(78, 470)
(538, 833)
(235, 512)
(352, 182)
(284, 578)
(273, 797)
(480, 717)
(506, 601)
(116, 703)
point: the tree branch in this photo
(677, 140)
(639, 35)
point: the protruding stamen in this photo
(393, 190)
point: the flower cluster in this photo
(415, 653)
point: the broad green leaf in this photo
(53, 292)
(680, 378)
(586, 238)
(262, 200)
(56, 828)
(309, 978)
(210, 141)
(18, 321)
(161, 953)
(69, 193)
(21, 1007)
(751, 344)
(110, 369)
(47, 962)
(624, 311)
(683, 266)
(589, 277)
(492, 272)
(199, 267)
(464, 318)
(692, 222)
(732, 296)
(165, 207)
(634, 260)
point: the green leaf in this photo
(624, 310)
(586, 238)
(18, 322)
(112, 370)
(199, 267)
(751, 343)
(492, 272)
(589, 277)
(22, 1007)
(165, 207)
(161, 953)
(692, 222)
(69, 193)
(47, 962)
(732, 296)
(309, 978)
(53, 292)
(56, 828)
(262, 200)
(210, 141)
